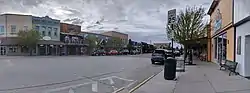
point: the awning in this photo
(50, 42)
(9, 41)
(198, 41)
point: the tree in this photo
(189, 26)
(117, 42)
(29, 39)
(92, 41)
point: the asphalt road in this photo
(74, 74)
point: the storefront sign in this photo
(217, 21)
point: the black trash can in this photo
(170, 68)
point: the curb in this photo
(143, 82)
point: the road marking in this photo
(94, 87)
(71, 90)
(142, 83)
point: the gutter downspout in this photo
(234, 31)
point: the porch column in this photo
(56, 50)
(65, 50)
(37, 50)
(46, 50)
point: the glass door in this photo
(2, 50)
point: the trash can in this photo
(170, 68)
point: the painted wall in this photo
(242, 31)
(19, 21)
(52, 26)
(230, 44)
(241, 9)
(70, 28)
(225, 9)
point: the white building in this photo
(15, 23)
(242, 37)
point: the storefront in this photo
(221, 43)
(242, 25)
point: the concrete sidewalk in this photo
(201, 78)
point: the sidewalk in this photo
(202, 78)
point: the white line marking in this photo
(94, 87)
(71, 90)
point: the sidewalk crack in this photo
(210, 83)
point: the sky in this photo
(142, 20)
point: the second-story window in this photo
(43, 33)
(1, 30)
(13, 29)
(49, 33)
(37, 28)
(49, 29)
(25, 28)
(55, 31)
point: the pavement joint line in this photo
(119, 90)
(142, 83)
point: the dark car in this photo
(158, 56)
(125, 52)
(98, 53)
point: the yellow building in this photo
(221, 45)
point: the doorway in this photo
(2, 50)
(247, 54)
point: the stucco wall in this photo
(241, 9)
(230, 44)
(19, 21)
(225, 7)
(242, 31)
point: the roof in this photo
(114, 32)
(213, 6)
(16, 14)
(51, 42)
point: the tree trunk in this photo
(30, 51)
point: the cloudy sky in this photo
(143, 20)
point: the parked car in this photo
(98, 53)
(159, 55)
(112, 52)
(133, 52)
(125, 52)
(177, 53)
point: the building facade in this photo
(10, 25)
(47, 27)
(161, 45)
(242, 37)
(49, 30)
(75, 44)
(122, 36)
(70, 28)
(222, 43)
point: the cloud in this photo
(143, 20)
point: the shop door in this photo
(2, 50)
(247, 54)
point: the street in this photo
(74, 74)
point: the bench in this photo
(229, 65)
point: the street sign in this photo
(171, 22)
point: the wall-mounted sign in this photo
(46, 38)
(217, 20)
